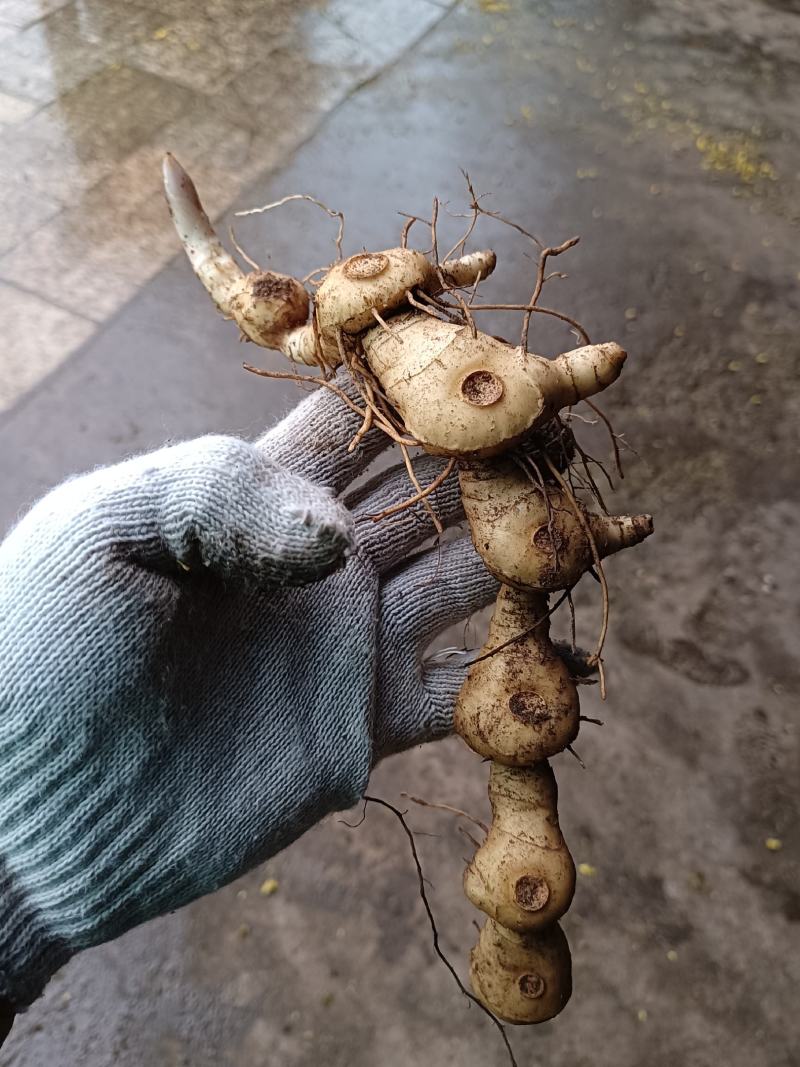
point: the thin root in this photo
(572, 752)
(421, 494)
(434, 929)
(417, 497)
(389, 329)
(523, 633)
(545, 254)
(579, 515)
(241, 251)
(312, 379)
(312, 200)
(614, 442)
(446, 807)
(475, 844)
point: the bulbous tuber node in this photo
(353, 288)
(379, 281)
(423, 364)
(519, 705)
(521, 978)
(467, 269)
(533, 542)
(522, 876)
(267, 305)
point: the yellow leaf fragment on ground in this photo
(495, 7)
(774, 844)
(587, 869)
(631, 314)
(268, 887)
(698, 882)
(672, 955)
(734, 366)
(160, 33)
(641, 1015)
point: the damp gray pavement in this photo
(666, 135)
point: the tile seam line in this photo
(66, 205)
(97, 323)
(7, 417)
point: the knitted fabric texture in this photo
(177, 703)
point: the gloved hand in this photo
(183, 691)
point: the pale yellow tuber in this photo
(519, 705)
(424, 374)
(533, 541)
(354, 289)
(272, 309)
(481, 395)
(522, 978)
(522, 876)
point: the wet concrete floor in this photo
(666, 135)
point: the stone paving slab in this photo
(92, 93)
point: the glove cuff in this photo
(31, 953)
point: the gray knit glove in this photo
(177, 702)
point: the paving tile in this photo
(381, 29)
(21, 13)
(275, 16)
(53, 56)
(14, 110)
(203, 48)
(118, 234)
(100, 251)
(93, 93)
(74, 143)
(41, 62)
(37, 337)
(289, 88)
(23, 211)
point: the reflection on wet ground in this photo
(91, 93)
(666, 135)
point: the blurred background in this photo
(666, 135)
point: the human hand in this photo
(177, 702)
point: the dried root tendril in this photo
(312, 200)
(400, 816)
(596, 657)
(446, 807)
(421, 495)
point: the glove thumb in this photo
(220, 503)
